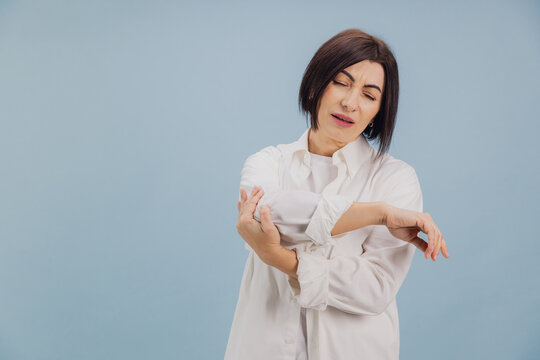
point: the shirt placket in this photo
(300, 169)
(333, 188)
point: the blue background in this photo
(124, 127)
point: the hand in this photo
(263, 237)
(406, 224)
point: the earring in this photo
(371, 124)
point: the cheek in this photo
(375, 108)
(330, 94)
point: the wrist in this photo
(371, 213)
(382, 211)
(283, 259)
(269, 255)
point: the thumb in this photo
(266, 217)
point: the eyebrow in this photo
(367, 85)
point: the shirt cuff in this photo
(311, 288)
(329, 209)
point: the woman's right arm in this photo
(301, 215)
(402, 223)
(366, 283)
(359, 215)
(406, 224)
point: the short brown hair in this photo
(341, 51)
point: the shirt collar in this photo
(354, 154)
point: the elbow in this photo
(384, 296)
(384, 288)
(374, 305)
(377, 307)
(371, 309)
(374, 302)
(380, 306)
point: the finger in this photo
(255, 198)
(419, 243)
(437, 248)
(243, 209)
(266, 218)
(251, 204)
(432, 242)
(445, 252)
(243, 199)
(440, 243)
(243, 195)
(422, 225)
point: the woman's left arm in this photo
(357, 284)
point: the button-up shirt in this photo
(347, 282)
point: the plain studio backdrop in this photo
(124, 127)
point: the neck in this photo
(321, 145)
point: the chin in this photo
(342, 136)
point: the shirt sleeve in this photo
(299, 215)
(367, 283)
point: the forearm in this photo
(359, 215)
(284, 260)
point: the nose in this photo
(350, 101)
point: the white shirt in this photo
(347, 282)
(323, 172)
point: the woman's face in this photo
(355, 92)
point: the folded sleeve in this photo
(367, 283)
(299, 215)
(302, 215)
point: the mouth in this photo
(343, 118)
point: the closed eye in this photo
(338, 83)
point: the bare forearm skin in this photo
(284, 260)
(357, 216)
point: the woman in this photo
(330, 223)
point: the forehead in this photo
(367, 71)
